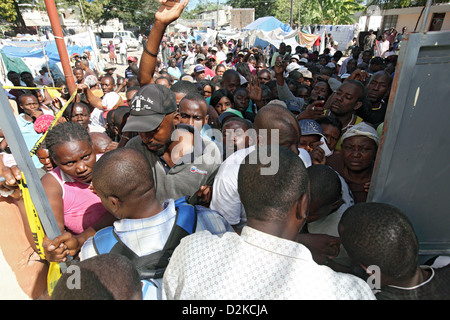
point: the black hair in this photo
(332, 121)
(244, 70)
(361, 87)
(325, 185)
(219, 94)
(380, 234)
(117, 273)
(206, 82)
(118, 165)
(65, 132)
(23, 95)
(246, 123)
(269, 197)
(183, 86)
(91, 288)
(230, 73)
(195, 96)
(133, 82)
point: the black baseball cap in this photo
(149, 106)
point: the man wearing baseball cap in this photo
(178, 171)
(129, 70)
(199, 73)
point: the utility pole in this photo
(292, 7)
(217, 15)
(299, 20)
(60, 44)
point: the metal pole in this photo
(425, 16)
(17, 144)
(60, 44)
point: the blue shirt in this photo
(30, 136)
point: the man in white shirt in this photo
(270, 121)
(265, 262)
(123, 51)
(190, 59)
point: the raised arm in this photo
(169, 11)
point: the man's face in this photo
(264, 77)
(241, 100)
(79, 75)
(378, 87)
(44, 158)
(366, 56)
(309, 142)
(332, 134)
(27, 78)
(159, 139)
(199, 76)
(107, 85)
(234, 137)
(320, 89)
(80, 115)
(231, 83)
(15, 79)
(193, 113)
(345, 100)
(259, 66)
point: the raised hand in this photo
(170, 10)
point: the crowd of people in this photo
(274, 152)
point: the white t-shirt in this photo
(123, 48)
(225, 197)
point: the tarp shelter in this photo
(307, 40)
(32, 58)
(267, 24)
(343, 34)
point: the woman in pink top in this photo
(76, 208)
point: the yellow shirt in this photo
(339, 143)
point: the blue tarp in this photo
(37, 51)
(267, 24)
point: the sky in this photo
(193, 3)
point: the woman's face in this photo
(220, 71)
(75, 158)
(223, 105)
(208, 91)
(359, 153)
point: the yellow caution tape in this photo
(31, 88)
(38, 233)
(57, 117)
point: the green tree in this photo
(393, 4)
(138, 14)
(10, 11)
(263, 8)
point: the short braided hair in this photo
(65, 132)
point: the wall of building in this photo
(406, 17)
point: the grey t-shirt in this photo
(186, 177)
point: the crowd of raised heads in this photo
(273, 147)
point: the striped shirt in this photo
(148, 235)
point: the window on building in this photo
(436, 21)
(389, 22)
